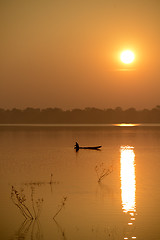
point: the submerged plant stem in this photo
(62, 205)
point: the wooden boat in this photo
(94, 148)
(77, 147)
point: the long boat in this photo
(96, 147)
(77, 147)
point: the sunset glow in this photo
(127, 57)
(78, 54)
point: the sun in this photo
(127, 56)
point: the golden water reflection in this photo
(128, 183)
(126, 124)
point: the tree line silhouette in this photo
(79, 116)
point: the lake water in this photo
(123, 205)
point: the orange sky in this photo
(66, 53)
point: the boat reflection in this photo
(128, 183)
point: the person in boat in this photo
(77, 145)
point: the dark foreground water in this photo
(41, 175)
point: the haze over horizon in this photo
(66, 54)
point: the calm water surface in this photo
(124, 205)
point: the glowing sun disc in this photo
(127, 56)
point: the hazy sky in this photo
(63, 53)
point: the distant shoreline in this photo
(80, 116)
(126, 125)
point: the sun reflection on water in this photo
(126, 124)
(128, 182)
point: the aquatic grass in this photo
(37, 206)
(30, 208)
(102, 172)
(33, 212)
(19, 200)
(60, 207)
